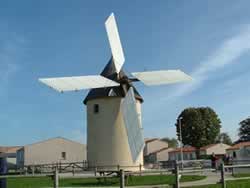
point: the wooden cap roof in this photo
(110, 72)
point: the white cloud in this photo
(226, 54)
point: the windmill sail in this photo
(132, 124)
(76, 83)
(161, 77)
(114, 41)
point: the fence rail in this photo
(121, 174)
(73, 166)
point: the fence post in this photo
(33, 170)
(56, 178)
(60, 166)
(122, 182)
(232, 168)
(95, 171)
(140, 167)
(177, 179)
(73, 170)
(83, 165)
(223, 182)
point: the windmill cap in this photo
(110, 72)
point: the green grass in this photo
(136, 180)
(241, 175)
(229, 184)
(36, 182)
(33, 182)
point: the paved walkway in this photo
(211, 178)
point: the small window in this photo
(191, 156)
(234, 154)
(96, 108)
(64, 155)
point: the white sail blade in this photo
(162, 77)
(76, 83)
(132, 124)
(114, 41)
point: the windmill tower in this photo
(107, 139)
(114, 130)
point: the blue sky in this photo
(208, 39)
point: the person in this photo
(213, 160)
(3, 171)
(226, 159)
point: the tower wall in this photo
(107, 143)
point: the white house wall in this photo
(218, 149)
(242, 158)
(163, 155)
(186, 156)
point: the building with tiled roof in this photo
(9, 149)
(160, 155)
(153, 144)
(240, 151)
(148, 140)
(10, 153)
(155, 150)
(184, 149)
(53, 150)
(207, 146)
(239, 145)
(189, 153)
(218, 149)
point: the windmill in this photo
(114, 130)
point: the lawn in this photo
(230, 184)
(241, 175)
(33, 182)
(36, 182)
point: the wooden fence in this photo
(55, 173)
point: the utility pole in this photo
(179, 124)
(177, 175)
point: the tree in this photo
(224, 138)
(244, 130)
(200, 126)
(172, 142)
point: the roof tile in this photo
(239, 145)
